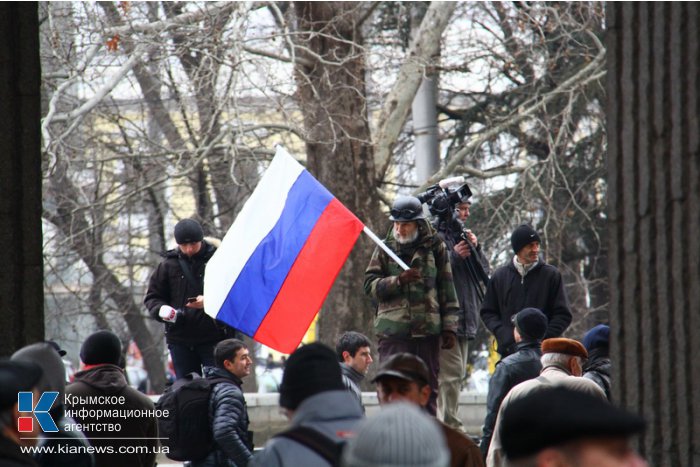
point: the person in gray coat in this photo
(313, 396)
(74, 447)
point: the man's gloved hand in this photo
(168, 313)
(410, 275)
(449, 339)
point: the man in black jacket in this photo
(526, 281)
(228, 413)
(530, 325)
(174, 297)
(453, 361)
(598, 367)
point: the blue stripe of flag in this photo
(265, 271)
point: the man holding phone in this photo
(174, 297)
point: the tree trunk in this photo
(654, 200)
(20, 177)
(339, 153)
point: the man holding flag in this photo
(417, 307)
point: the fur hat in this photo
(522, 236)
(554, 415)
(565, 346)
(400, 435)
(311, 369)
(531, 323)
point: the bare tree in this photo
(180, 104)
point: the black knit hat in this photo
(531, 323)
(311, 369)
(553, 416)
(522, 236)
(188, 231)
(101, 347)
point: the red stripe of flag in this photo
(310, 278)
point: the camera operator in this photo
(453, 362)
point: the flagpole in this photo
(381, 245)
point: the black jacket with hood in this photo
(73, 450)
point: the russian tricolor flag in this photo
(280, 257)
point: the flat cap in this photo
(406, 366)
(552, 416)
(16, 376)
(565, 346)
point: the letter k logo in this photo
(25, 403)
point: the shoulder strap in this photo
(321, 444)
(188, 272)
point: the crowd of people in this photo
(548, 402)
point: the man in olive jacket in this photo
(418, 307)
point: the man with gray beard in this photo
(417, 309)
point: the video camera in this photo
(443, 197)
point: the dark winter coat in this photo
(465, 284)
(109, 380)
(508, 293)
(524, 364)
(12, 456)
(419, 309)
(169, 286)
(228, 415)
(352, 380)
(598, 369)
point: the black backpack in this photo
(318, 442)
(187, 425)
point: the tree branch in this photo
(398, 102)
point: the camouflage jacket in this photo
(418, 309)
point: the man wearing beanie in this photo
(401, 435)
(530, 325)
(174, 297)
(16, 376)
(526, 281)
(598, 366)
(403, 377)
(101, 379)
(314, 398)
(562, 361)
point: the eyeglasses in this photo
(398, 213)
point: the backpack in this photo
(321, 444)
(187, 425)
